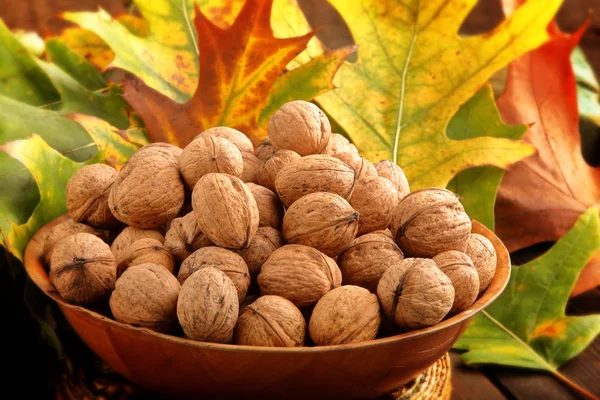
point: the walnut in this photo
(347, 314)
(264, 150)
(299, 273)
(483, 254)
(265, 242)
(300, 126)
(207, 154)
(225, 210)
(184, 237)
(232, 264)
(145, 251)
(339, 144)
(415, 293)
(430, 221)
(375, 199)
(316, 173)
(61, 231)
(87, 196)
(208, 306)
(459, 268)
(146, 296)
(252, 165)
(367, 259)
(324, 221)
(237, 138)
(148, 192)
(271, 321)
(130, 235)
(273, 165)
(162, 147)
(362, 166)
(270, 209)
(83, 269)
(388, 170)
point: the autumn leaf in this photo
(526, 325)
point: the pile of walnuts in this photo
(222, 242)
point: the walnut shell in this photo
(483, 254)
(208, 306)
(145, 251)
(299, 273)
(146, 296)
(87, 196)
(207, 154)
(270, 209)
(252, 165)
(362, 166)
(347, 314)
(162, 147)
(375, 199)
(430, 221)
(366, 260)
(61, 231)
(339, 144)
(83, 269)
(271, 321)
(311, 174)
(130, 235)
(388, 170)
(264, 243)
(237, 138)
(300, 126)
(264, 150)
(184, 237)
(415, 293)
(324, 221)
(232, 264)
(270, 169)
(463, 275)
(225, 210)
(148, 192)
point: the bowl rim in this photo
(35, 269)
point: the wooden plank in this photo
(471, 383)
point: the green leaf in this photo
(527, 326)
(477, 187)
(18, 192)
(75, 65)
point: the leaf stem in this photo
(188, 22)
(574, 386)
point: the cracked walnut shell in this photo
(61, 231)
(145, 251)
(184, 237)
(483, 254)
(459, 268)
(273, 165)
(375, 199)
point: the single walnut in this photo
(145, 251)
(324, 221)
(300, 126)
(148, 192)
(362, 166)
(252, 165)
(146, 296)
(415, 293)
(87, 195)
(162, 147)
(367, 259)
(184, 237)
(130, 235)
(347, 314)
(430, 221)
(271, 321)
(237, 138)
(208, 306)
(299, 273)
(265, 242)
(375, 199)
(311, 174)
(463, 275)
(225, 260)
(225, 210)
(264, 150)
(207, 154)
(83, 269)
(339, 144)
(388, 170)
(483, 254)
(61, 231)
(270, 209)
(270, 169)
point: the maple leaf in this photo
(526, 325)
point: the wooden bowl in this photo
(186, 368)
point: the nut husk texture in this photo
(339, 144)
(270, 209)
(130, 235)
(363, 167)
(146, 296)
(270, 321)
(208, 306)
(375, 199)
(237, 138)
(145, 251)
(184, 237)
(324, 221)
(264, 243)
(225, 210)
(299, 273)
(273, 165)
(347, 314)
(83, 269)
(61, 231)
(388, 170)
(264, 150)
(252, 165)
(483, 254)
(459, 268)
(430, 221)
